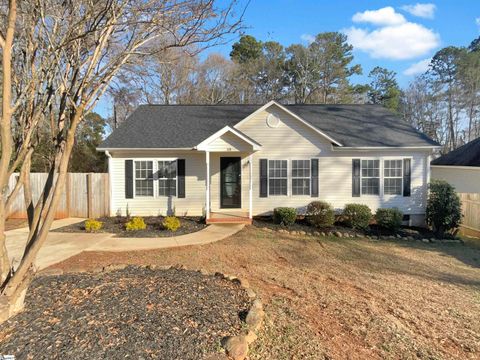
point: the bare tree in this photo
(58, 59)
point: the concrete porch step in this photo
(229, 217)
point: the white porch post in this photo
(250, 186)
(207, 186)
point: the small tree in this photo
(57, 60)
(443, 208)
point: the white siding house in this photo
(265, 158)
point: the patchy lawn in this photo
(343, 298)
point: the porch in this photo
(228, 178)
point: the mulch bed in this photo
(116, 225)
(135, 313)
(374, 230)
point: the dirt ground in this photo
(12, 224)
(342, 299)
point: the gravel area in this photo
(134, 313)
(116, 225)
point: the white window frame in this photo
(135, 178)
(301, 177)
(155, 177)
(287, 178)
(392, 177)
(380, 176)
(158, 178)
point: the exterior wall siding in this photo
(193, 203)
(290, 140)
(293, 140)
(464, 180)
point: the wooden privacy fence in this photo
(85, 195)
(471, 214)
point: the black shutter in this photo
(128, 179)
(181, 178)
(407, 170)
(314, 177)
(263, 178)
(356, 177)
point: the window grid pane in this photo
(371, 177)
(278, 173)
(144, 178)
(167, 178)
(392, 172)
(300, 177)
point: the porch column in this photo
(207, 185)
(250, 186)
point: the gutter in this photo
(462, 167)
(143, 149)
(392, 148)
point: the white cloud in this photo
(307, 38)
(383, 16)
(477, 21)
(394, 38)
(417, 68)
(421, 10)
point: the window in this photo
(277, 177)
(392, 177)
(370, 177)
(143, 178)
(167, 178)
(300, 177)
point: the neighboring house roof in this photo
(466, 155)
(186, 126)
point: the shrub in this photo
(443, 211)
(171, 223)
(284, 216)
(390, 219)
(357, 216)
(92, 225)
(137, 223)
(320, 214)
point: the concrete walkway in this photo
(60, 246)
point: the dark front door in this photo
(230, 182)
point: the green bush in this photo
(137, 223)
(320, 214)
(390, 219)
(357, 216)
(284, 215)
(171, 223)
(443, 213)
(92, 225)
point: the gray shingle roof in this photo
(185, 126)
(466, 155)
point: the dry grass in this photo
(343, 299)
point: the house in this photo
(232, 162)
(460, 167)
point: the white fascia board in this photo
(203, 146)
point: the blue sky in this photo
(399, 35)
(395, 38)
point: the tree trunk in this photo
(13, 293)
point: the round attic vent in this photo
(273, 121)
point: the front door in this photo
(230, 183)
